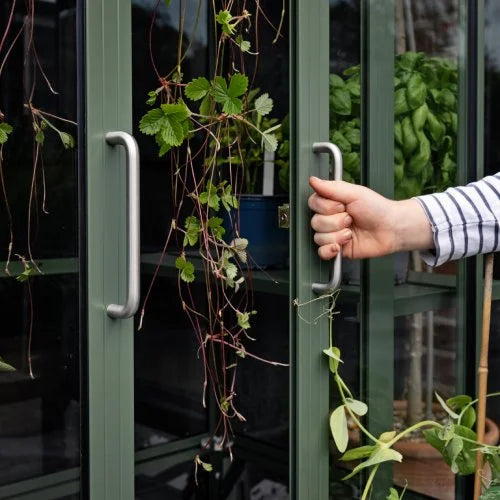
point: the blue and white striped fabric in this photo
(464, 220)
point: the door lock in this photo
(284, 216)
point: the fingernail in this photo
(348, 220)
(347, 233)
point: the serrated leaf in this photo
(338, 427)
(239, 245)
(151, 122)
(215, 226)
(210, 197)
(242, 44)
(228, 199)
(263, 104)
(186, 268)
(380, 456)
(152, 96)
(223, 18)
(357, 453)
(357, 407)
(205, 106)
(5, 130)
(243, 319)
(197, 89)
(193, 226)
(269, 141)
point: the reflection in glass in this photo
(425, 161)
(40, 400)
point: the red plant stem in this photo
(9, 23)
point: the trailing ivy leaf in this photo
(263, 104)
(67, 140)
(242, 44)
(338, 427)
(5, 367)
(193, 228)
(215, 226)
(186, 268)
(357, 453)
(387, 436)
(5, 130)
(239, 247)
(379, 456)
(445, 407)
(224, 19)
(197, 89)
(357, 407)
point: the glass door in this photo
(42, 250)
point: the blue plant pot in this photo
(257, 221)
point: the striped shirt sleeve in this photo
(464, 220)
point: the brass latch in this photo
(284, 216)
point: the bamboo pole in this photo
(483, 371)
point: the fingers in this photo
(340, 191)
(324, 206)
(328, 252)
(330, 223)
(331, 243)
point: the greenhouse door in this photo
(403, 331)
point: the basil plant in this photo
(425, 123)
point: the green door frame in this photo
(110, 341)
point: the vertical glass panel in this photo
(39, 220)
(169, 369)
(492, 166)
(425, 161)
(345, 132)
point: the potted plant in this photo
(263, 186)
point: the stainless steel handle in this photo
(336, 266)
(131, 305)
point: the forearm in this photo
(464, 220)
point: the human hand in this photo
(364, 223)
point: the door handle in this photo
(336, 265)
(131, 305)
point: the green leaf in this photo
(167, 2)
(216, 228)
(418, 161)
(387, 436)
(446, 408)
(410, 139)
(357, 453)
(150, 123)
(67, 140)
(379, 456)
(193, 228)
(229, 96)
(40, 137)
(263, 104)
(393, 495)
(416, 91)
(340, 101)
(336, 81)
(210, 197)
(152, 96)
(357, 407)
(244, 319)
(5, 367)
(334, 353)
(419, 117)
(339, 139)
(206, 466)
(166, 121)
(5, 130)
(435, 127)
(239, 246)
(228, 199)
(242, 44)
(186, 268)
(223, 18)
(338, 427)
(398, 132)
(454, 448)
(197, 89)
(205, 106)
(353, 135)
(400, 102)
(408, 60)
(269, 141)
(238, 85)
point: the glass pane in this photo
(345, 132)
(39, 220)
(169, 367)
(425, 161)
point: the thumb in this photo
(345, 192)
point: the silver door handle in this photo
(131, 305)
(336, 265)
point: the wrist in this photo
(412, 227)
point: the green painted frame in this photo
(110, 342)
